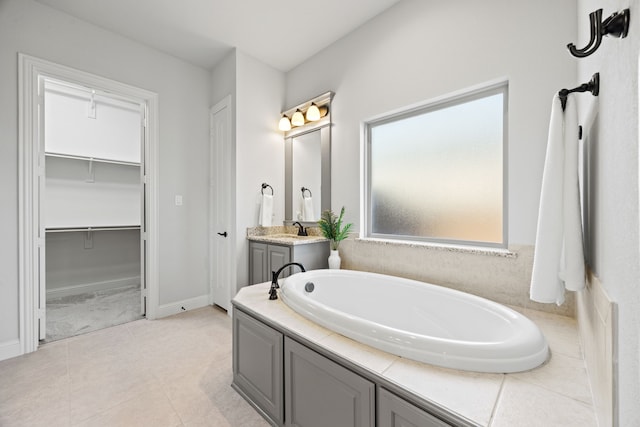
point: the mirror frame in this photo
(324, 127)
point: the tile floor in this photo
(174, 371)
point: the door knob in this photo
(223, 234)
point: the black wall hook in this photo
(617, 25)
(592, 86)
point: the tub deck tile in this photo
(367, 357)
(470, 394)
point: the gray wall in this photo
(418, 50)
(113, 260)
(184, 100)
(259, 149)
(611, 124)
(257, 92)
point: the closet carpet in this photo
(171, 372)
(78, 314)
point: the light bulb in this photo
(297, 119)
(284, 124)
(313, 113)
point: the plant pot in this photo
(334, 260)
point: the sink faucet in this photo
(273, 294)
(301, 230)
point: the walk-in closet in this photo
(92, 209)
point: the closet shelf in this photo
(93, 159)
(90, 228)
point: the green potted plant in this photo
(332, 229)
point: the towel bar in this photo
(592, 86)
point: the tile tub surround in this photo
(500, 275)
(597, 318)
(560, 387)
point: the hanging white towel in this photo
(559, 255)
(266, 210)
(307, 209)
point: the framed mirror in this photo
(308, 165)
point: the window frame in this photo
(445, 101)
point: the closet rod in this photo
(95, 159)
(99, 228)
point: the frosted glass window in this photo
(436, 173)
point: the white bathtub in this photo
(419, 321)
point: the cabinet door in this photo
(320, 393)
(257, 364)
(278, 256)
(258, 267)
(396, 412)
(312, 255)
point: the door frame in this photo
(31, 170)
(230, 238)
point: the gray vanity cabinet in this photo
(320, 393)
(267, 257)
(396, 412)
(257, 365)
(293, 385)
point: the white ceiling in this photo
(281, 33)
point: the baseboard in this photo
(9, 349)
(92, 287)
(184, 305)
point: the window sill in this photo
(499, 252)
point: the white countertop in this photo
(555, 394)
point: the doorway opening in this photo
(91, 207)
(88, 217)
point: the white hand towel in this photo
(307, 209)
(266, 210)
(558, 256)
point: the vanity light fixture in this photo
(313, 113)
(298, 118)
(284, 124)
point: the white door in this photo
(220, 221)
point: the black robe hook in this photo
(617, 25)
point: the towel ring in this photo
(303, 189)
(265, 185)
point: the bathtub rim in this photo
(329, 318)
